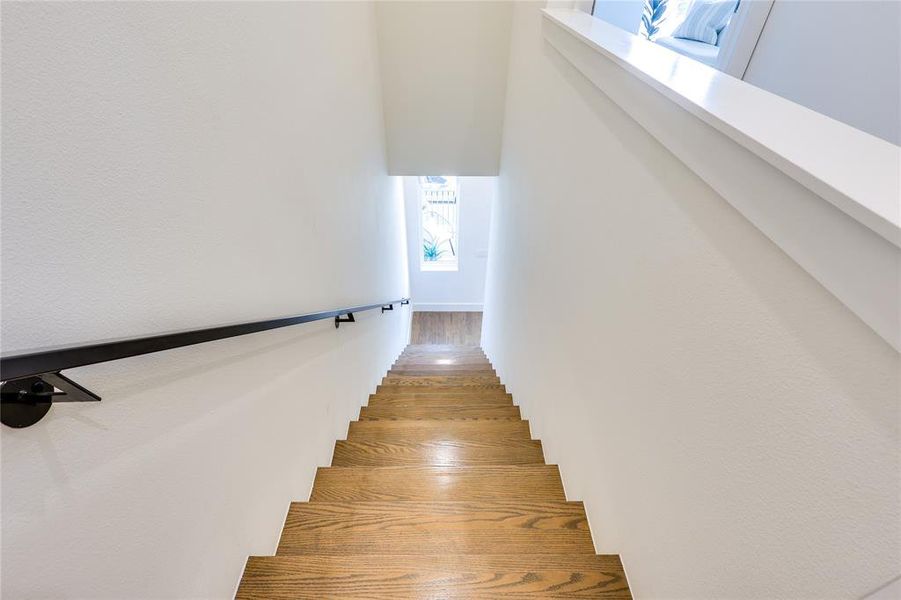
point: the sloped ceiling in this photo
(444, 74)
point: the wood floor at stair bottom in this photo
(437, 492)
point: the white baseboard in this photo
(448, 307)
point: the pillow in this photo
(705, 20)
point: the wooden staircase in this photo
(438, 492)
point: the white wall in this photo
(444, 72)
(464, 289)
(168, 166)
(839, 57)
(731, 426)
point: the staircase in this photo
(438, 492)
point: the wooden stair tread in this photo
(413, 391)
(411, 412)
(474, 369)
(437, 492)
(507, 482)
(445, 365)
(442, 353)
(443, 358)
(446, 347)
(433, 576)
(437, 453)
(436, 528)
(440, 390)
(455, 379)
(438, 430)
(471, 386)
(424, 400)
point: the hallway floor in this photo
(437, 492)
(462, 328)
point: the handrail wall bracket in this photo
(349, 319)
(25, 401)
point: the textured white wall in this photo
(839, 57)
(731, 426)
(174, 165)
(444, 72)
(463, 289)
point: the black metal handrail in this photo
(32, 378)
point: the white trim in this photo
(447, 307)
(827, 194)
(820, 153)
(439, 266)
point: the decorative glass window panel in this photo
(439, 219)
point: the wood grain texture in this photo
(437, 492)
(442, 380)
(415, 391)
(432, 354)
(513, 482)
(390, 577)
(435, 362)
(442, 349)
(458, 348)
(436, 528)
(450, 411)
(448, 453)
(471, 369)
(446, 328)
(388, 431)
(435, 389)
(442, 355)
(426, 400)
